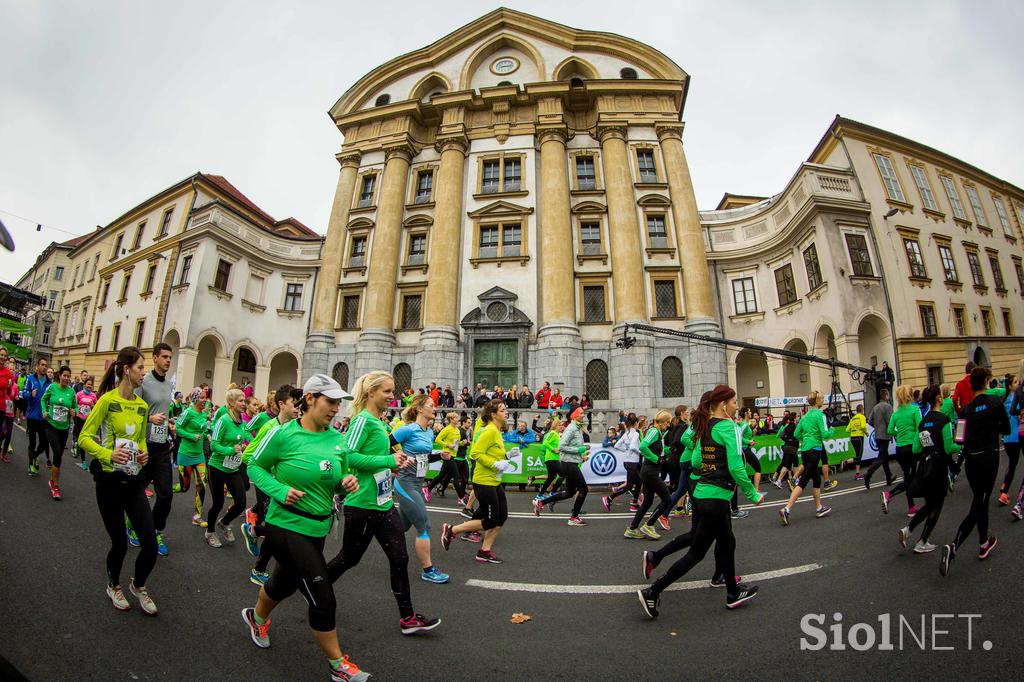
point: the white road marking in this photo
(627, 589)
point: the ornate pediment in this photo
(500, 209)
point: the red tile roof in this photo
(222, 184)
(75, 241)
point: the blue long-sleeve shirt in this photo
(520, 438)
(35, 409)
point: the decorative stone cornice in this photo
(348, 158)
(612, 132)
(673, 131)
(458, 143)
(402, 150)
(555, 134)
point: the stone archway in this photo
(284, 369)
(208, 350)
(874, 342)
(797, 373)
(173, 339)
(751, 377)
(824, 347)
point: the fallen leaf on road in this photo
(518, 618)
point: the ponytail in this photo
(127, 357)
(412, 412)
(363, 387)
(701, 421)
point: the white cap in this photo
(325, 385)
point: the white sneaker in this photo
(117, 598)
(229, 535)
(144, 599)
(212, 540)
(923, 547)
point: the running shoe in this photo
(133, 539)
(633, 534)
(902, 536)
(663, 522)
(417, 623)
(258, 578)
(777, 483)
(606, 502)
(648, 602)
(486, 556)
(229, 535)
(212, 540)
(784, 516)
(538, 506)
(677, 513)
(986, 549)
(426, 494)
(472, 536)
(923, 547)
(84, 465)
(912, 511)
(948, 554)
(250, 517)
(720, 581)
(433, 575)
(867, 482)
(689, 507)
(348, 672)
(822, 511)
(743, 595)
(142, 594)
(858, 477)
(161, 546)
(260, 634)
(1017, 512)
(117, 598)
(252, 544)
(1004, 500)
(5, 457)
(633, 506)
(830, 485)
(54, 491)
(576, 521)
(197, 520)
(467, 512)
(33, 469)
(885, 501)
(740, 514)
(649, 532)
(648, 564)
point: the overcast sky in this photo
(103, 104)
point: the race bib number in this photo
(158, 433)
(60, 413)
(383, 481)
(233, 462)
(84, 410)
(131, 467)
(422, 464)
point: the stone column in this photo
(848, 351)
(320, 339)
(377, 339)
(261, 382)
(185, 374)
(559, 354)
(221, 379)
(776, 377)
(438, 357)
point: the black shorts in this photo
(493, 509)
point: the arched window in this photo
(386, 99)
(504, 82)
(628, 73)
(672, 377)
(403, 377)
(576, 82)
(597, 380)
(246, 360)
(340, 374)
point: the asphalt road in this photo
(57, 623)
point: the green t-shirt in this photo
(190, 424)
(652, 436)
(257, 422)
(727, 433)
(114, 421)
(550, 445)
(369, 458)
(948, 409)
(313, 462)
(247, 454)
(59, 405)
(812, 430)
(904, 423)
(227, 433)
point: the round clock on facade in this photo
(504, 65)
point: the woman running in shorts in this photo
(549, 445)
(652, 448)
(904, 425)
(227, 442)
(58, 405)
(191, 428)
(812, 430)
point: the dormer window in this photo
(382, 100)
(628, 73)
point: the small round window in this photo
(628, 73)
(497, 311)
(382, 100)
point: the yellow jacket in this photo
(858, 426)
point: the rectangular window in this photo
(1020, 275)
(924, 187)
(117, 246)
(889, 178)
(74, 278)
(857, 245)
(223, 273)
(46, 335)
(645, 163)
(186, 267)
(488, 241)
(150, 277)
(593, 304)
(785, 285)
(96, 340)
(58, 273)
(140, 328)
(491, 182)
(417, 249)
(124, 286)
(986, 321)
(590, 238)
(115, 337)
(424, 186)
(975, 264)
(585, 175)
(954, 198)
(997, 273)
(254, 289)
(1004, 219)
(656, 231)
(137, 242)
(1007, 322)
(72, 327)
(95, 267)
(914, 258)
(411, 306)
(511, 240)
(975, 200)
(366, 191)
(960, 321)
(51, 302)
(357, 252)
(513, 175)
(293, 296)
(928, 320)
(934, 375)
(165, 224)
(105, 294)
(813, 267)
(665, 299)
(743, 295)
(948, 264)
(350, 312)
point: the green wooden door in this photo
(496, 363)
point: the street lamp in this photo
(891, 213)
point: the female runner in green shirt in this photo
(904, 424)
(59, 404)
(227, 442)
(812, 430)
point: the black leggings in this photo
(260, 529)
(37, 442)
(58, 440)
(554, 479)
(905, 456)
(1012, 457)
(236, 486)
(881, 461)
(492, 511)
(449, 473)
(79, 423)
(159, 470)
(981, 469)
(575, 484)
(632, 485)
(6, 433)
(858, 448)
(363, 525)
(789, 453)
(653, 484)
(673, 470)
(713, 525)
(812, 469)
(117, 497)
(751, 460)
(301, 566)
(933, 489)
